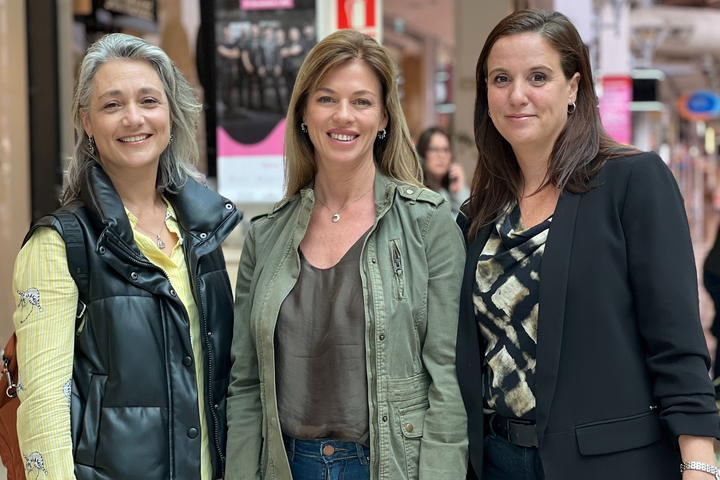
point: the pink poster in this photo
(615, 108)
(266, 4)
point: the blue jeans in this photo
(327, 459)
(503, 460)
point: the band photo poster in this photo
(259, 48)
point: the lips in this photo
(136, 138)
(343, 138)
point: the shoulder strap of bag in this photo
(76, 255)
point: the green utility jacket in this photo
(411, 268)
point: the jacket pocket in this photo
(618, 434)
(88, 441)
(412, 422)
(398, 271)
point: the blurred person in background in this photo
(138, 390)
(347, 294)
(440, 173)
(580, 350)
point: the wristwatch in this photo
(703, 467)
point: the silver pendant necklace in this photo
(336, 216)
(160, 242)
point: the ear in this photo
(384, 121)
(86, 123)
(574, 81)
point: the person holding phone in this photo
(440, 173)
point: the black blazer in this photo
(622, 365)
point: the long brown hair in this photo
(394, 155)
(580, 151)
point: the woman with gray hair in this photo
(148, 356)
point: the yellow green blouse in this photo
(46, 297)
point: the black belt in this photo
(517, 432)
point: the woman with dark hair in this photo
(440, 173)
(135, 386)
(347, 294)
(580, 351)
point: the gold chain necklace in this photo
(336, 217)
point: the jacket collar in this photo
(200, 211)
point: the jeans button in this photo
(328, 450)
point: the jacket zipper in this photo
(208, 367)
(397, 269)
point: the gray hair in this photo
(178, 159)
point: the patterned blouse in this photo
(45, 326)
(505, 297)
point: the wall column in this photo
(474, 20)
(14, 151)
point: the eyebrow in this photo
(536, 67)
(142, 91)
(358, 92)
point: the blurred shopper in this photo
(711, 279)
(138, 390)
(252, 59)
(580, 351)
(440, 173)
(347, 294)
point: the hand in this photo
(457, 178)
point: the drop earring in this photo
(171, 137)
(382, 135)
(91, 145)
(303, 127)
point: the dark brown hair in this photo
(422, 147)
(580, 151)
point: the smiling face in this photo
(438, 156)
(528, 94)
(344, 115)
(128, 115)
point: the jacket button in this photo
(101, 250)
(409, 191)
(203, 235)
(172, 292)
(382, 336)
(409, 427)
(228, 206)
(385, 418)
(192, 432)
(187, 361)
(134, 276)
(374, 260)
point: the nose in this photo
(133, 115)
(343, 112)
(518, 93)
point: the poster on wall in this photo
(260, 46)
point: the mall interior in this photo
(651, 59)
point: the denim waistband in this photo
(317, 448)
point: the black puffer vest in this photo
(134, 404)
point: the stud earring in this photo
(572, 110)
(91, 145)
(303, 127)
(382, 135)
